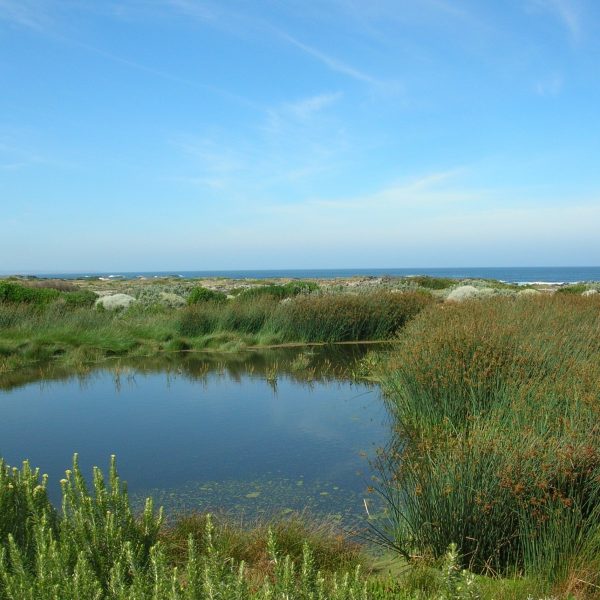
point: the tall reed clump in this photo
(96, 548)
(347, 317)
(248, 316)
(496, 407)
(307, 318)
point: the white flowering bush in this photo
(469, 292)
(115, 301)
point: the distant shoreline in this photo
(517, 275)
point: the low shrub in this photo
(42, 295)
(574, 288)
(55, 284)
(287, 290)
(432, 283)
(13, 292)
(79, 298)
(96, 548)
(201, 294)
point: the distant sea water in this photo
(521, 275)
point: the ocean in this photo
(522, 275)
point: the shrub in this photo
(13, 292)
(432, 283)
(115, 301)
(79, 298)
(574, 288)
(201, 294)
(287, 290)
(98, 549)
(468, 292)
(56, 284)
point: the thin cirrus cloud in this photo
(332, 63)
(550, 86)
(24, 13)
(568, 12)
(292, 141)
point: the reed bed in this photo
(496, 406)
(308, 318)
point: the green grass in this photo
(71, 332)
(497, 410)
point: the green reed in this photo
(307, 318)
(496, 407)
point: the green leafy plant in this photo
(201, 294)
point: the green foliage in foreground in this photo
(96, 549)
(497, 412)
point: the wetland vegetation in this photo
(491, 480)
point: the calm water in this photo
(207, 434)
(510, 274)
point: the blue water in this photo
(510, 274)
(203, 435)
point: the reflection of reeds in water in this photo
(299, 364)
(272, 372)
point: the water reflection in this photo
(256, 432)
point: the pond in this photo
(255, 433)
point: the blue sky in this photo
(190, 134)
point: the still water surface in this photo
(259, 435)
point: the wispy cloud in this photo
(332, 63)
(164, 74)
(308, 106)
(292, 142)
(432, 189)
(550, 86)
(24, 13)
(17, 153)
(199, 10)
(244, 23)
(568, 12)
